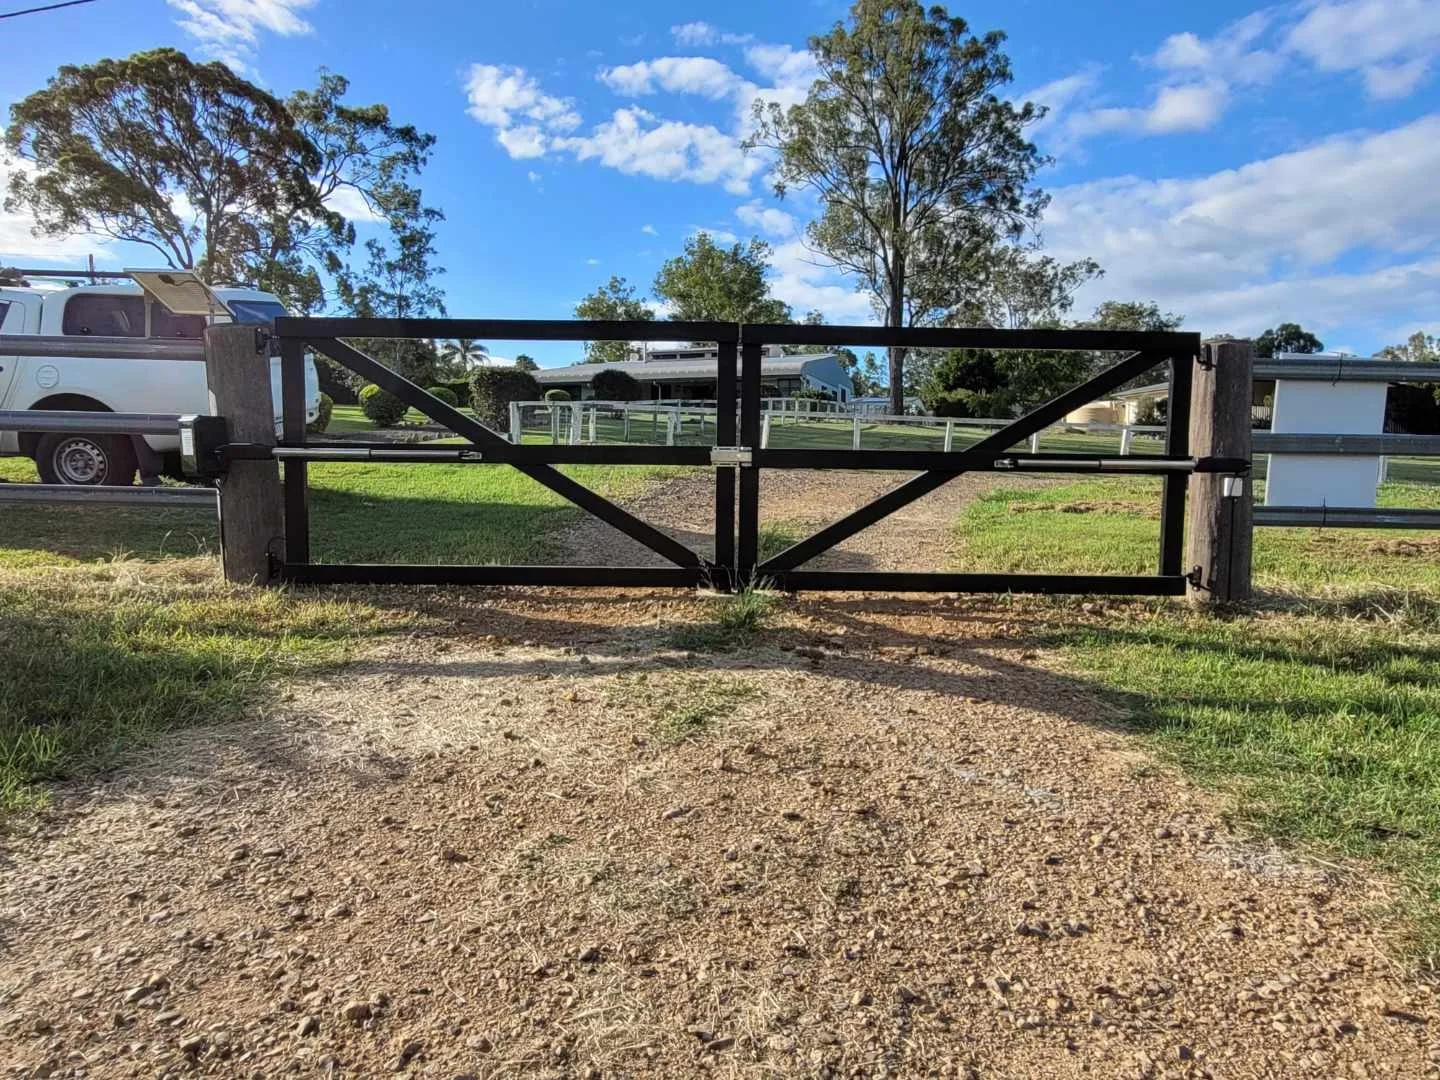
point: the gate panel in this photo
(737, 498)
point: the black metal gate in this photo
(737, 457)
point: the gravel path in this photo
(919, 537)
(532, 840)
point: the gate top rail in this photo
(507, 329)
(975, 337)
(936, 337)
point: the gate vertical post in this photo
(1222, 518)
(1175, 485)
(297, 491)
(725, 475)
(748, 553)
(237, 369)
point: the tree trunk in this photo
(896, 318)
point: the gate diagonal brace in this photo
(920, 486)
(482, 436)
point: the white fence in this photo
(581, 422)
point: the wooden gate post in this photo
(1222, 518)
(251, 498)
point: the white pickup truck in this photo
(134, 386)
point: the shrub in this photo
(1152, 414)
(461, 389)
(962, 403)
(445, 394)
(385, 409)
(813, 393)
(492, 389)
(322, 420)
(614, 385)
(557, 395)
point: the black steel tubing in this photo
(903, 581)
(432, 574)
(295, 473)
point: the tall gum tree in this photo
(920, 165)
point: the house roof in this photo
(661, 370)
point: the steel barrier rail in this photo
(1273, 442)
(89, 423)
(136, 496)
(90, 347)
(1347, 517)
(1345, 369)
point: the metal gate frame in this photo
(736, 563)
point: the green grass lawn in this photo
(1318, 711)
(359, 512)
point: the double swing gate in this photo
(737, 458)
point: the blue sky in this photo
(1238, 164)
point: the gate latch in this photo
(730, 455)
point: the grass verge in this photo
(733, 621)
(1318, 712)
(99, 658)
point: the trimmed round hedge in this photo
(492, 389)
(557, 395)
(382, 407)
(445, 394)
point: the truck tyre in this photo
(85, 460)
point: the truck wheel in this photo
(85, 460)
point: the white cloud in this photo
(649, 230)
(1391, 43)
(720, 236)
(805, 285)
(783, 65)
(525, 119)
(529, 123)
(1176, 108)
(1233, 49)
(592, 262)
(677, 75)
(533, 176)
(702, 33)
(1057, 96)
(18, 242)
(230, 29)
(1280, 237)
(350, 204)
(525, 141)
(768, 219)
(638, 143)
(500, 94)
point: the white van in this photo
(131, 386)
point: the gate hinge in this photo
(730, 455)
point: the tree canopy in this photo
(1287, 337)
(1418, 348)
(707, 282)
(615, 299)
(920, 162)
(1132, 315)
(212, 172)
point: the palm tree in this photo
(464, 353)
